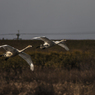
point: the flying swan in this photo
(49, 43)
(11, 52)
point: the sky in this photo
(55, 19)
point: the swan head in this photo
(8, 54)
(29, 46)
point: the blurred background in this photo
(56, 19)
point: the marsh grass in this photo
(57, 72)
(47, 81)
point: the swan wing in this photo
(45, 39)
(28, 59)
(64, 46)
(8, 48)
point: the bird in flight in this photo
(11, 52)
(49, 43)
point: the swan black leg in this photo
(1, 55)
(38, 47)
(6, 58)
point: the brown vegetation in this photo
(57, 72)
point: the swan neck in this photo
(23, 49)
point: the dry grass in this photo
(47, 81)
(57, 72)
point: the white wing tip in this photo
(3, 45)
(63, 40)
(38, 37)
(67, 49)
(32, 67)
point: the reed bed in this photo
(57, 72)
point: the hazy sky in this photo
(48, 16)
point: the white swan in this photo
(11, 52)
(49, 43)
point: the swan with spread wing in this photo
(11, 52)
(49, 43)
